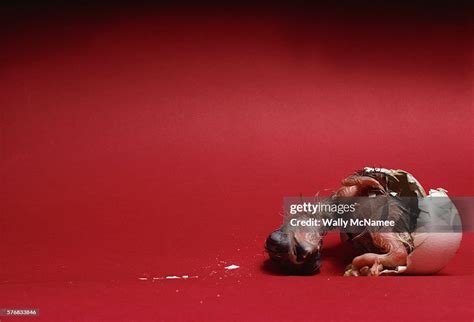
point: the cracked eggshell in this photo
(433, 251)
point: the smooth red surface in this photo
(150, 143)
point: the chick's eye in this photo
(277, 242)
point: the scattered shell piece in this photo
(232, 267)
(173, 277)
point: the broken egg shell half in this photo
(433, 251)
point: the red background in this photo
(144, 142)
